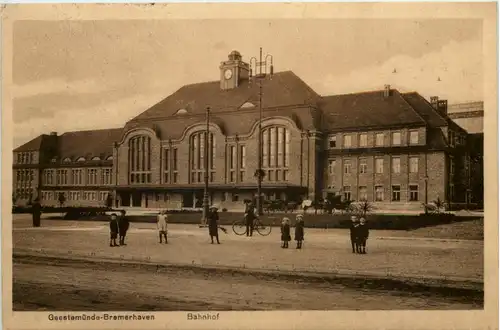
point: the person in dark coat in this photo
(123, 226)
(36, 210)
(363, 233)
(113, 229)
(213, 224)
(285, 233)
(354, 233)
(299, 230)
(250, 217)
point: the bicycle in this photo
(240, 227)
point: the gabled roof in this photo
(32, 145)
(367, 109)
(432, 116)
(88, 143)
(283, 89)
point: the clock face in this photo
(228, 74)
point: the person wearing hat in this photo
(285, 232)
(36, 211)
(299, 230)
(123, 226)
(249, 217)
(354, 233)
(213, 224)
(162, 225)
(363, 233)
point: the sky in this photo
(78, 75)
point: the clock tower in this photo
(233, 71)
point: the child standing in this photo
(354, 233)
(299, 230)
(113, 228)
(363, 233)
(162, 225)
(285, 232)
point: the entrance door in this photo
(125, 199)
(136, 199)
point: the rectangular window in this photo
(347, 141)
(396, 165)
(232, 176)
(379, 165)
(265, 148)
(413, 164)
(174, 158)
(243, 157)
(347, 193)
(273, 139)
(379, 139)
(285, 175)
(379, 193)
(331, 166)
(347, 166)
(232, 157)
(212, 176)
(452, 166)
(396, 138)
(452, 192)
(270, 175)
(452, 138)
(19, 159)
(363, 166)
(242, 176)
(363, 194)
(281, 145)
(332, 142)
(363, 140)
(413, 137)
(413, 193)
(175, 177)
(278, 175)
(396, 193)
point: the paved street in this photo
(326, 251)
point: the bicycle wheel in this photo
(262, 229)
(239, 227)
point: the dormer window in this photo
(332, 142)
(247, 105)
(81, 159)
(67, 160)
(96, 158)
(181, 112)
(109, 158)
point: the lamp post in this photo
(426, 180)
(260, 74)
(206, 163)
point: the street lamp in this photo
(426, 180)
(260, 74)
(206, 163)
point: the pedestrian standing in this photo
(285, 232)
(354, 233)
(123, 226)
(162, 225)
(299, 230)
(36, 210)
(113, 228)
(250, 217)
(213, 224)
(363, 233)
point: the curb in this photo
(464, 286)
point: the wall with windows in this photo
(26, 157)
(395, 178)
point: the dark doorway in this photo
(125, 199)
(187, 199)
(136, 199)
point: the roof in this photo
(88, 143)
(283, 89)
(425, 109)
(32, 145)
(367, 109)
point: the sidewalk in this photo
(325, 251)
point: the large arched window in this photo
(276, 153)
(139, 159)
(197, 157)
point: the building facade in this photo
(396, 150)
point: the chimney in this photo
(387, 91)
(53, 133)
(434, 102)
(443, 106)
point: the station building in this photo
(396, 150)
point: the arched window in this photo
(139, 159)
(80, 159)
(276, 153)
(181, 112)
(67, 160)
(109, 158)
(197, 157)
(247, 105)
